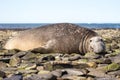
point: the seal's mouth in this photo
(97, 47)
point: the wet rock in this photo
(9, 71)
(115, 73)
(76, 72)
(83, 60)
(8, 52)
(14, 61)
(22, 71)
(2, 65)
(42, 77)
(5, 59)
(59, 73)
(116, 59)
(20, 54)
(112, 67)
(103, 61)
(75, 57)
(27, 66)
(15, 77)
(97, 73)
(92, 55)
(114, 46)
(30, 55)
(105, 78)
(92, 64)
(39, 68)
(30, 66)
(2, 74)
(67, 77)
(43, 72)
(48, 58)
(54, 65)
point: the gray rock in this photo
(5, 59)
(42, 77)
(98, 73)
(68, 77)
(73, 58)
(20, 54)
(48, 58)
(92, 55)
(2, 74)
(7, 52)
(15, 77)
(2, 65)
(59, 73)
(14, 61)
(116, 59)
(29, 55)
(76, 72)
(104, 78)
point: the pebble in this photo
(14, 77)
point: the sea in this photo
(33, 25)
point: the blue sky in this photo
(56, 11)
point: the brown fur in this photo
(61, 37)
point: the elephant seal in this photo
(60, 37)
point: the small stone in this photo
(43, 72)
(5, 59)
(42, 77)
(14, 61)
(9, 71)
(30, 66)
(97, 72)
(26, 71)
(112, 67)
(39, 68)
(29, 55)
(20, 54)
(73, 58)
(58, 73)
(92, 64)
(92, 55)
(105, 78)
(67, 77)
(7, 52)
(14, 77)
(48, 58)
(2, 65)
(2, 74)
(116, 59)
(75, 72)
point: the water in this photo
(93, 25)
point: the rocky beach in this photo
(32, 65)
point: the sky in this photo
(57, 11)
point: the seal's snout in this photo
(97, 45)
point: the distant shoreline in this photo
(86, 25)
(19, 29)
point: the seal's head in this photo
(96, 44)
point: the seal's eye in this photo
(90, 40)
(101, 40)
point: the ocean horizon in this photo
(33, 25)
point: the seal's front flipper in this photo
(41, 50)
